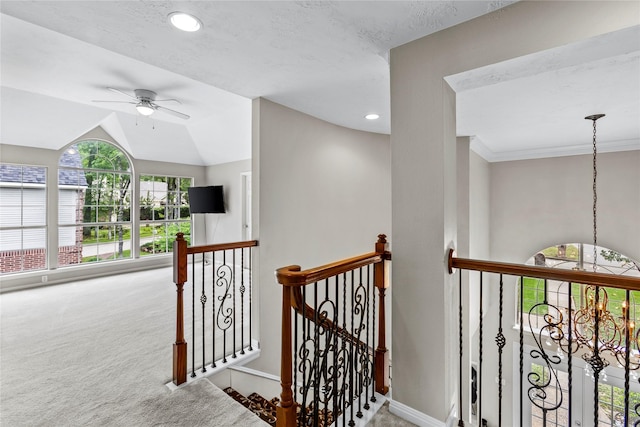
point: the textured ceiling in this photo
(325, 58)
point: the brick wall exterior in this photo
(36, 259)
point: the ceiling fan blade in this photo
(170, 111)
(122, 93)
(118, 102)
(165, 100)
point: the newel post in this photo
(286, 409)
(179, 278)
(382, 354)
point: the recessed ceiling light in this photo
(184, 21)
(372, 116)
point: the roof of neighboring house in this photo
(37, 174)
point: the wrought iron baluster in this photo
(203, 300)
(351, 357)
(250, 301)
(373, 342)
(193, 316)
(460, 415)
(336, 369)
(221, 310)
(316, 356)
(295, 354)
(213, 308)
(233, 298)
(304, 359)
(242, 290)
(370, 368)
(627, 354)
(500, 341)
(570, 356)
(521, 349)
(480, 327)
(345, 363)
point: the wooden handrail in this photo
(570, 276)
(292, 276)
(220, 246)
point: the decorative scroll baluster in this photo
(335, 372)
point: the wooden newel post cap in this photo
(180, 236)
(382, 238)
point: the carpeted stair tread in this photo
(257, 404)
(266, 409)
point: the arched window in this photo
(94, 203)
(562, 312)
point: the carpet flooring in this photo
(98, 353)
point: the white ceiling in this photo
(325, 58)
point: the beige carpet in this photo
(98, 353)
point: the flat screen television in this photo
(208, 199)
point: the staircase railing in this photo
(571, 330)
(221, 282)
(334, 354)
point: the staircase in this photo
(266, 409)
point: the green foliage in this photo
(106, 257)
(571, 252)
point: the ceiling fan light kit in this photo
(146, 102)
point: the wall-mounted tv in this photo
(208, 199)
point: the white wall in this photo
(422, 143)
(227, 227)
(324, 195)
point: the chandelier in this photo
(602, 335)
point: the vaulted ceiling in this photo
(326, 59)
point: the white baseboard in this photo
(240, 360)
(423, 420)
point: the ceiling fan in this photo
(145, 102)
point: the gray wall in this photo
(323, 195)
(423, 174)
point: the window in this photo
(94, 183)
(23, 218)
(164, 211)
(538, 295)
(558, 311)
